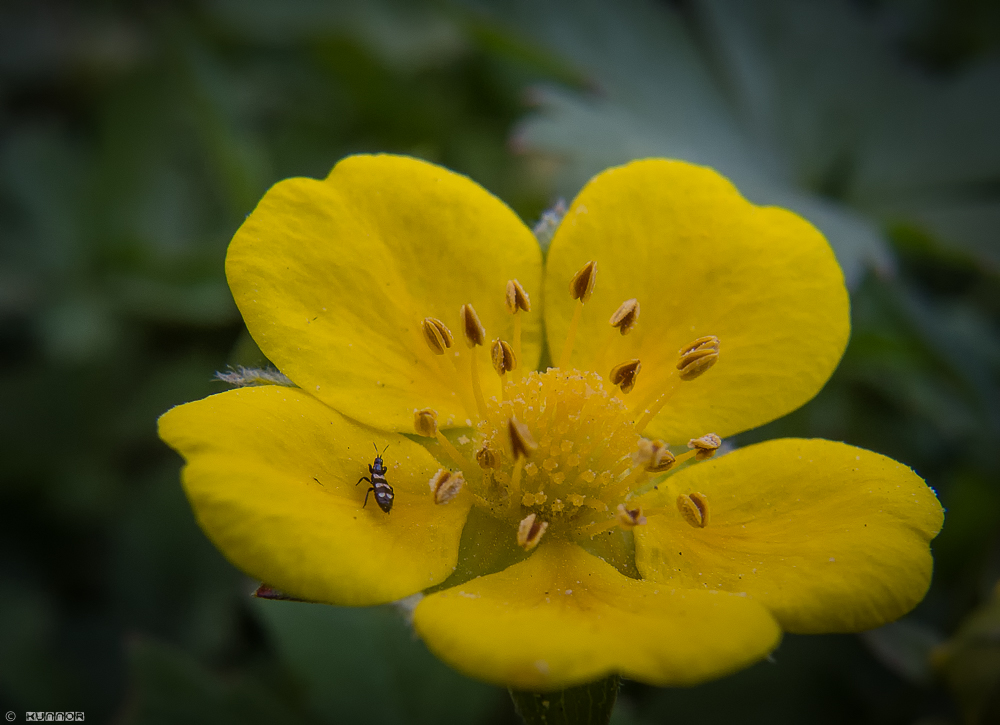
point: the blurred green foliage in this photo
(134, 138)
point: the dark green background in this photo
(134, 138)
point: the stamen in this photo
(698, 356)
(486, 457)
(529, 532)
(624, 374)
(439, 339)
(701, 448)
(694, 359)
(631, 482)
(475, 335)
(630, 518)
(581, 287)
(445, 485)
(521, 445)
(503, 360)
(655, 456)
(436, 334)
(649, 411)
(706, 446)
(517, 300)
(425, 423)
(626, 316)
(694, 509)
(472, 328)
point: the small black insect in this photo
(381, 487)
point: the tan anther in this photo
(425, 422)
(517, 298)
(522, 444)
(626, 316)
(624, 374)
(503, 357)
(694, 509)
(706, 446)
(630, 518)
(472, 328)
(486, 458)
(529, 532)
(436, 334)
(654, 456)
(445, 485)
(582, 284)
(698, 356)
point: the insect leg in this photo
(363, 478)
(366, 495)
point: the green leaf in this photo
(657, 97)
(905, 648)
(970, 663)
(366, 666)
(171, 687)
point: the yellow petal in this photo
(829, 537)
(701, 260)
(333, 278)
(564, 617)
(271, 476)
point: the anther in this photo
(529, 532)
(697, 357)
(706, 446)
(517, 298)
(654, 456)
(517, 301)
(582, 284)
(629, 518)
(425, 422)
(475, 335)
(580, 289)
(694, 359)
(472, 328)
(624, 374)
(694, 509)
(436, 334)
(445, 485)
(486, 457)
(522, 444)
(626, 316)
(503, 357)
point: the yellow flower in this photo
(557, 536)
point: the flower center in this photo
(584, 440)
(557, 450)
